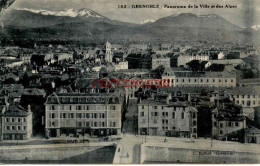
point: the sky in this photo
(246, 14)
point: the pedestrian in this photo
(165, 140)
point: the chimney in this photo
(140, 100)
(189, 98)
(170, 96)
(29, 109)
(7, 103)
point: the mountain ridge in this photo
(174, 27)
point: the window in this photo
(19, 128)
(231, 80)
(201, 80)
(182, 115)
(103, 115)
(189, 80)
(162, 107)
(7, 127)
(195, 80)
(215, 124)
(225, 80)
(13, 128)
(194, 130)
(229, 124)
(193, 115)
(52, 115)
(166, 113)
(243, 96)
(6, 119)
(166, 121)
(71, 115)
(95, 124)
(248, 96)
(207, 80)
(87, 124)
(236, 124)
(13, 120)
(142, 113)
(237, 96)
(219, 80)
(221, 125)
(173, 115)
(95, 115)
(113, 107)
(213, 80)
(155, 107)
(103, 124)
(163, 121)
(142, 106)
(78, 107)
(220, 132)
(78, 115)
(63, 115)
(87, 115)
(19, 120)
(155, 113)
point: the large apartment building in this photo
(164, 117)
(199, 79)
(15, 122)
(227, 124)
(246, 96)
(79, 113)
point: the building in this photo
(160, 60)
(184, 59)
(80, 113)
(205, 79)
(228, 124)
(168, 73)
(252, 135)
(16, 123)
(121, 65)
(246, 96)
(164, 117)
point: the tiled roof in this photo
(16, 110)
(83, 98)
(252, 90)
(205, 74)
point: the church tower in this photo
(108, 52)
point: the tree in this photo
(194, 65)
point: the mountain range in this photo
(85, 24)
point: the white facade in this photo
(121, 65)
(184, 59)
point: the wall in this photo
(153, 154)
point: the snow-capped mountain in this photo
(256, 27)
(147, 21)
(67, 12)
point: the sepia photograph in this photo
(129, 82)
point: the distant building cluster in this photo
(47, 91)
